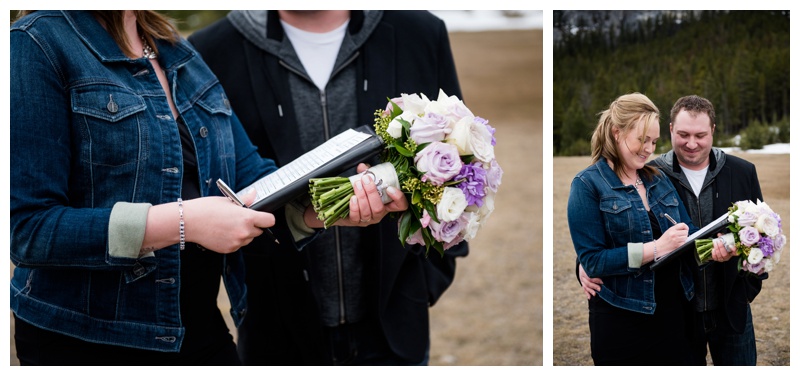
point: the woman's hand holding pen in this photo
(221, 227)
(673, 238)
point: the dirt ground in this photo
(570, 312)
(492, 314)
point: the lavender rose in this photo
(416, 238)
(446, 231)
(494, 176)
(429, 128)
(439, 162)
(747, 219)
(779, 241)
(749, 236)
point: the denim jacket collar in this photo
(171, 56)
(615, 182)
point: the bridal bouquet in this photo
(757, 233)
(441, 156)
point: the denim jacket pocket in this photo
(215, 101)
(617, 214)
(112, 132)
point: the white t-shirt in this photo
(696, 178)
(317, 51)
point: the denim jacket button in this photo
(227, 103)
(112, 106)
(203, 132)
(138, 270)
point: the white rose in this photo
(768, 265)
(768, 225)
(751, 208)
(472, 226)
(755, 256)
(488, 207)
(454, 106)
(472, 138)
(452, 204)
(414, 104)
(395, 129)
(761, 205)
(776, 256)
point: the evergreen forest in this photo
(737, 59)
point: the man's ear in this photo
(670, 128)
(713, 127)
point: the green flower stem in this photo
(330, 198)
(704, 248)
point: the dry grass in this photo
(570, 312)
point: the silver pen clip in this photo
(228, 192)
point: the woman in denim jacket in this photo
(618, 218)
(119, 132)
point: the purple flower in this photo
(416, 238)
(778, 242)
(494, 176)
(754, 268)
(429, 128)
(453, 242)
(749, 236)
(473, 186)
(446, 232)
(766, 245)
(747, 219)
(439, 162)
(491, 129)
(426, 218)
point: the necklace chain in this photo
(638, 182)
(147, 51)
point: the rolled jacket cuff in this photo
(294, 212)
(635, 255)
(126, 228)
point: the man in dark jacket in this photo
(709, 182)
(295, 79)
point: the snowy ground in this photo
(483, 20)
(768, 149)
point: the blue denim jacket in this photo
(91, 128)
(607, 220)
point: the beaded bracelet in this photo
(183, 234)
(655, 252)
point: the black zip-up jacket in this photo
(405, 52)
(729, 179)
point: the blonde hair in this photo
(623, 114)
(151, 24)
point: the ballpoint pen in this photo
(670, 219)
(228, 192)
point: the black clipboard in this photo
(719, 225)
(369, 147)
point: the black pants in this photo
(622, 337)
(36, 346)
